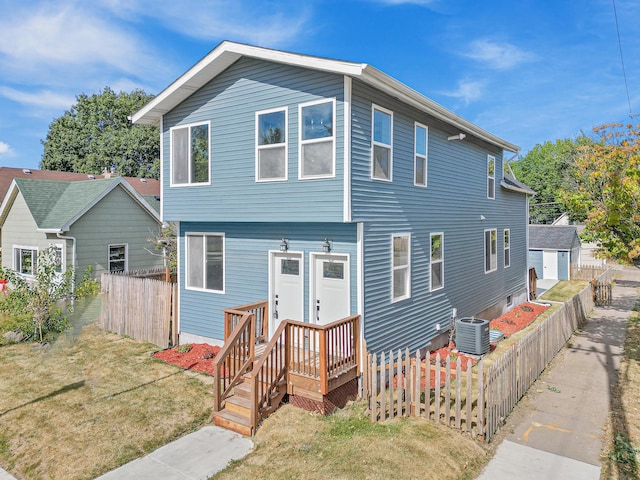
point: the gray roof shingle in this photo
(553, 237)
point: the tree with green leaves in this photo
(548, 169)
(95, 134)
(605, 193)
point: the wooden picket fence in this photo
(473, 399)
(587, 272)
(142, 308)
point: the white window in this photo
(491, 176)
(382, 154)
(117, 258)
(190, 154)
(317, 139)
(507, 247)
(205, 261)
(437, 261)
(420, 155)
(490, 250)
(25, 260)
(401, 271)
(271, 145)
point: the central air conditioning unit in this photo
(472, 335)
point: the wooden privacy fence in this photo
(141, 308)
(587, 272)
(472, 399)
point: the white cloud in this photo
(467, 91)
(42, 99)
(501, 56)
(5, 149)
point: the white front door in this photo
(330, 290)
(286, 288)
(549, 264)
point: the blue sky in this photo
(526, 70)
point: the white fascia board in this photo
(50, 230)
(7, 201)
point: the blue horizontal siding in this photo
(229, 102)
(247, 266)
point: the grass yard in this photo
(295, 444)
(90, 402)
(563, 291)
(621, 456)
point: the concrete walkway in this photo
(557, 431)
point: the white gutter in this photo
(73, 257)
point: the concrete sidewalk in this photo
(557, 431)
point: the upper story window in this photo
(205, 261)
(382, 154)
(25, 260)
(490, 250)
(401, 270)
(117, 258)
(437, 261)
(190, 154)
(507, 248)
(491, 176)
(317, 139)
(420, 155)
(271, 145)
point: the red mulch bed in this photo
(199, 358)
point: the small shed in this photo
(553, 249)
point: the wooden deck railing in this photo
(261, 311)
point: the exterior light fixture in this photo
(326, 246)
(284, 245)
(459, 136)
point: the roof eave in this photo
(513, 188)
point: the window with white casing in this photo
(507, 248)
(382, 151)
(117, 258)
(401, 270)
(205, 261)
(271, 145)
(491, 176)
(317, 139)
(490, 250)
(420, 155)
(190, 157)
(437, 261)
(25, 260)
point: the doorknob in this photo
(317, 311)
(275, 307)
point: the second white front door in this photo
(287, 298)
(331, 291)
(550, 264)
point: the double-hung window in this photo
(507, 248)
(317, 139)
(271, 145)
(420, 155)
(437, 261)
(401, 271)
(117, 258)
(25, 260)
(382, 152)
(490, 250)
(491, 176)
(190, 154)
(205, 261)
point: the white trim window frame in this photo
(271, 139)
(205, 264)
(186, 142)
(490, 250)
(436, 261)
(400, 266)
(118, 253)
(491, 176)
(60, 254)
(420, 154)
(317, 137)
(381, 144)
(21, 263)
(507, 247)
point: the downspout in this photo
(73, 258)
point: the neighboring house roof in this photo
(512, 183)
(56, 205)
(226, 53)
(553, 237)
(144, 186)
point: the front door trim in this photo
(273, 254)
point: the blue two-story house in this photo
(332, 189)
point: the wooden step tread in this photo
(234, 422)
(240, 401)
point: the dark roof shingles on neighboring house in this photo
(553, 237)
